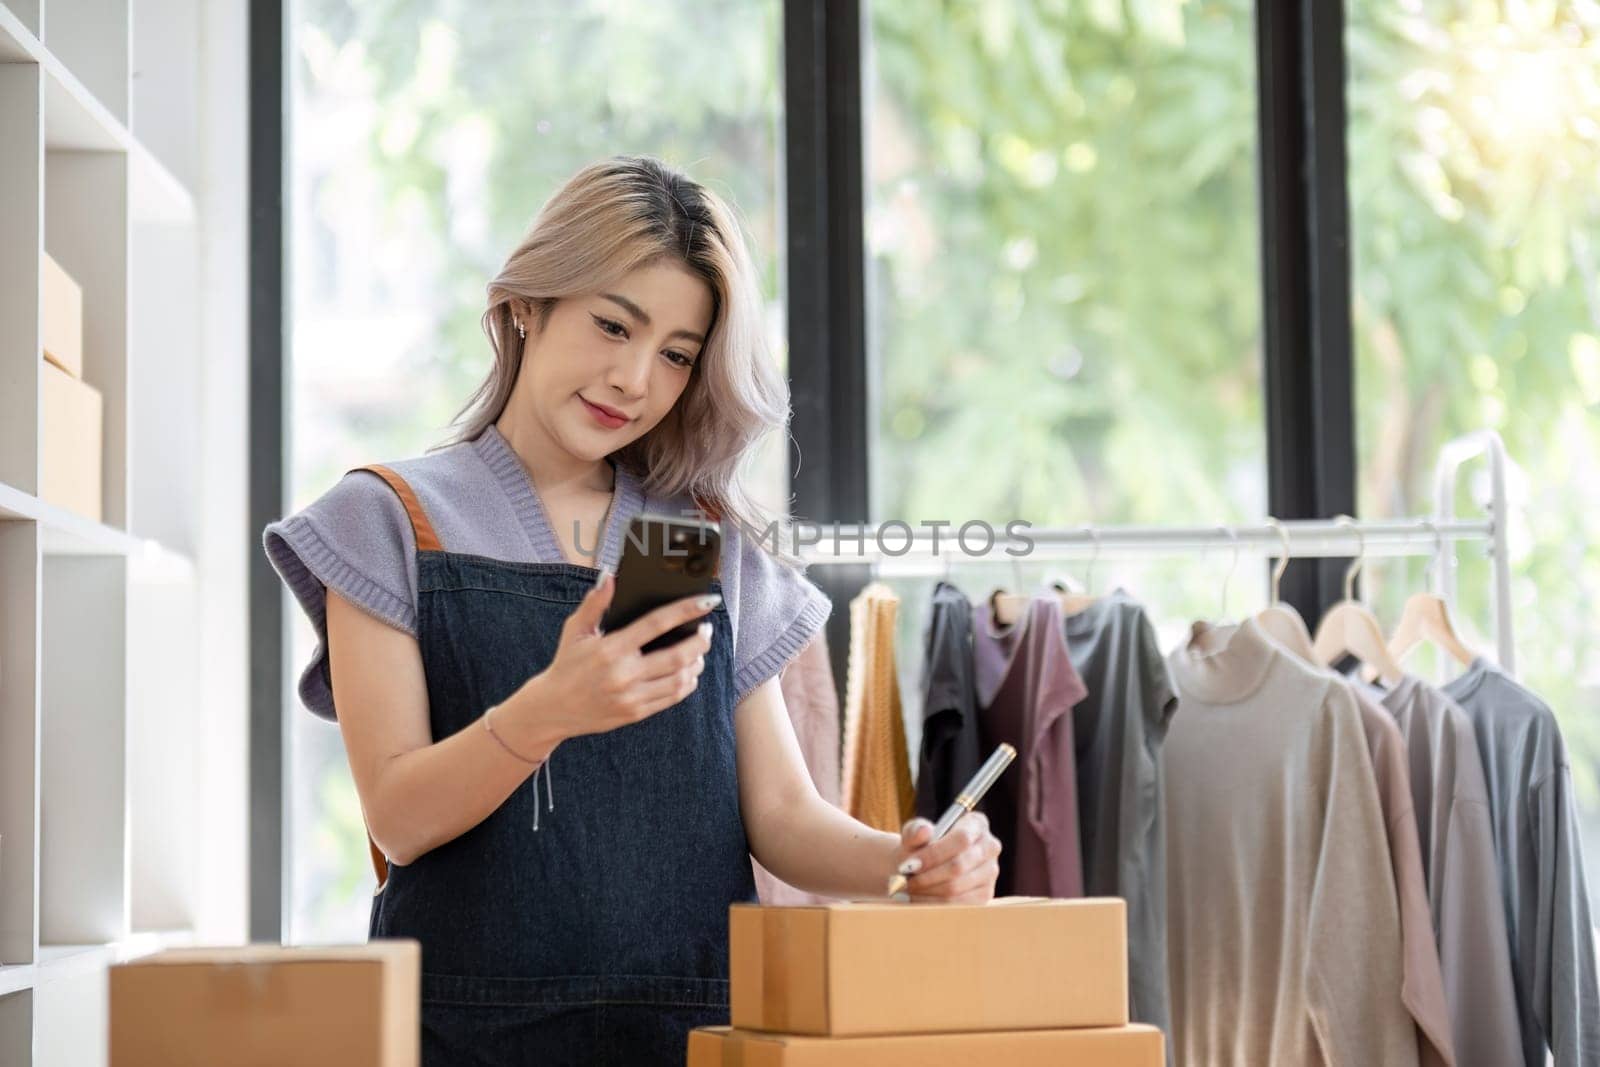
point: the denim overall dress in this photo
(601, 937)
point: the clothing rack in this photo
(899, 549)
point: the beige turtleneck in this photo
(1283, 924)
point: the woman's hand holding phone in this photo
(598, 682)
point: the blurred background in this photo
(1061, 214)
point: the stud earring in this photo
(522, 331)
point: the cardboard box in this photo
(70, 432)
(885, 968)
(267, 1006)
(1128, 1046)
(63, 317)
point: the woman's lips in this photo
(605, 416)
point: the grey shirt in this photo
(480, 499)
(1118, 729)
(1540, 859)
(952, 750)
(1455, 831)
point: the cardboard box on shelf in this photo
(884, 968)
(261, 1005)
(1128, 1046)
(70, 432)
(63, 317)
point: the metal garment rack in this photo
(897, 549)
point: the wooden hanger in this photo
(1350, 627)
(1427, 617)
(1074, 602)
(1281, 621)
(1006, 607)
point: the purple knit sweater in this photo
(357, 539)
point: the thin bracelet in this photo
(490, 727)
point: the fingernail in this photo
(705, 629)
(911, 866)
(706, 603)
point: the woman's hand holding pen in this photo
(597, 682)
(959, 868)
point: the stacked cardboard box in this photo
(267, 1006)
(1027, 981)
(71, 410)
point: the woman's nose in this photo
(630, 371)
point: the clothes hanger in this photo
(1281, 621)
(1427, 617)
(1073, 602)
(1007, 607)
(1199, 628)
(1233, 565)
(1349, 626)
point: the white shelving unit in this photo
(100, 665)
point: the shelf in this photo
(59, 961)
(108, 107)
(15, 504)
(15, 978)
(75, 121)
(63, 533)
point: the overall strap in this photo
(427, 541)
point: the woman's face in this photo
(609, 365)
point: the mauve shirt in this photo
(1026, 689)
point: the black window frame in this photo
(1308, 371)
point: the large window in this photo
(1475, 216)
(1065, 293)
(424, 138)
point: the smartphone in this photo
(664, 558)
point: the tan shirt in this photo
(877, 765)
(1422, 987)
(1456, 831)
(1283, 922)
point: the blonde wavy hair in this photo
(610, 218)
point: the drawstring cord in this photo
(550, 796)
(549, 792)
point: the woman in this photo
(457, 602)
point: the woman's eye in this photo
(606, 324)
(680, 359)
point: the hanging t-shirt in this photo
(951, 750)
(1026, 689)
(1457, 838)
(1540, 857)
(1118, 729)
(356, 538)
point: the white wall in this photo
(226, 543)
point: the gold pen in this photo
(965, 801)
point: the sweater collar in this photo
(627, 500)
(1223, 664)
